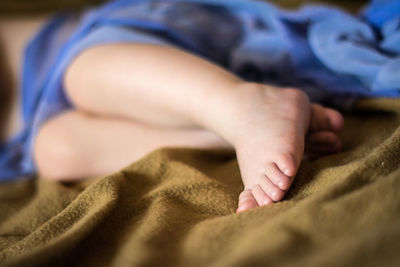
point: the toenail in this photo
(280, 184)
(273, 193)
(239, 210)
(286, 171)
(266, 202)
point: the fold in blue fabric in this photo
(333, 56)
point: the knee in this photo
(55, 150)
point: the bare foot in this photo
(269, 136)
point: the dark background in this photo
(23, 7)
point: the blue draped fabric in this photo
(331, 55)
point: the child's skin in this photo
(133, 98)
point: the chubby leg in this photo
(154, 84)
(75, 145)
(167, 87)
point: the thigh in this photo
(76, 145)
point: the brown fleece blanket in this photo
(176, 207)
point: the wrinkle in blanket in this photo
(176, 207)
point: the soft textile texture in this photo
(324, 51)
(176, 208)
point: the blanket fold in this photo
(175, 207)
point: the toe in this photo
(261, 197)
(277, 177)
(319, 121)
(286, 164)
(324, 149)
(273, 192)
(246, 201)
(322, 138)
(325, 119)
(335, 119)
(323, 142)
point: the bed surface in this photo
(175, 207)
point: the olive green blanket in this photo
(176, 207)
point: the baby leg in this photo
(75, 145)
(154, 84)
(167, 87)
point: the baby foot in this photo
(271, 125)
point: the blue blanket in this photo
(331, 55)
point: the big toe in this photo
(246, 201)
(287, 163)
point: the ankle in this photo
(223, 107)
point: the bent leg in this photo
(75, 145)
(155, 84)
(168, 87)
